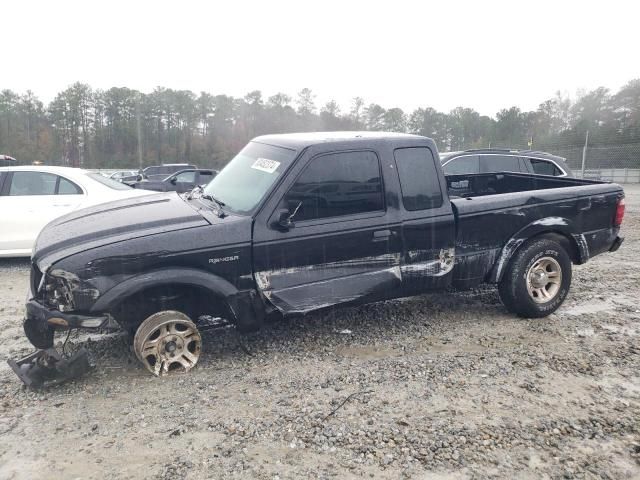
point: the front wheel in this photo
(537, 279)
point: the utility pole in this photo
(139, 132)
(584, 153)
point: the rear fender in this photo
(549, 225)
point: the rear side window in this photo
(462, 165)
(65, 187)
(337, 184)
(32, 183)
(418, 178)
(499, 163)
(542, 167)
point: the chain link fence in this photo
(619, 163)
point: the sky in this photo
(484, 54)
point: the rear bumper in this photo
(616, 244)
(40, 323)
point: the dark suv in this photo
(504, 160)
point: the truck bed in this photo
(498, 211)
(481, 184)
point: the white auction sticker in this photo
(265, 165)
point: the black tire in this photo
(513, 288)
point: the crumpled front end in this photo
(55, 299)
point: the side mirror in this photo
(139, 178)
(284, 222)
(173, 181)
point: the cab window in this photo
(336, 184)
(418, 178)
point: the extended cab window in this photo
(542, 167)
(336, 184)
(418, 178)
(499, 163)
(462, 165)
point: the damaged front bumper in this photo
(48, 367)
(41, 322)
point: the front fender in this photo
(175, 276)
(557, 225)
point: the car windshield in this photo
(247, 178)
(108, 182)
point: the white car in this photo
(30, 197)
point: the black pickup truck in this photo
(301, 222)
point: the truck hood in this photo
(113, 222)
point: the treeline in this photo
(121, 127)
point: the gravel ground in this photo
(438, 386)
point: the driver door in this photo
(343, 245)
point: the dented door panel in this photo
(302, 272)
(329, 261)
(429, 251)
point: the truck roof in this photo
(298, 141)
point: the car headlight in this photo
(66, 292)
(58, 293)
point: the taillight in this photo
(617, 220)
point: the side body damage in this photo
(117, 264)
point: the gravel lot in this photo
(438, 386)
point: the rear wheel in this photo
(537, 279)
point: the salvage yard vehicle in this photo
(30, 197)
(301, 222)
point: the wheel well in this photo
(567, 242)
(191, 300)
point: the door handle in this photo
(381, 235)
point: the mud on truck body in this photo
(301, 222)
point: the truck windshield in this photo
(247, 178)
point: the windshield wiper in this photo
(219, 203)
(207, 196)
(196, 189)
